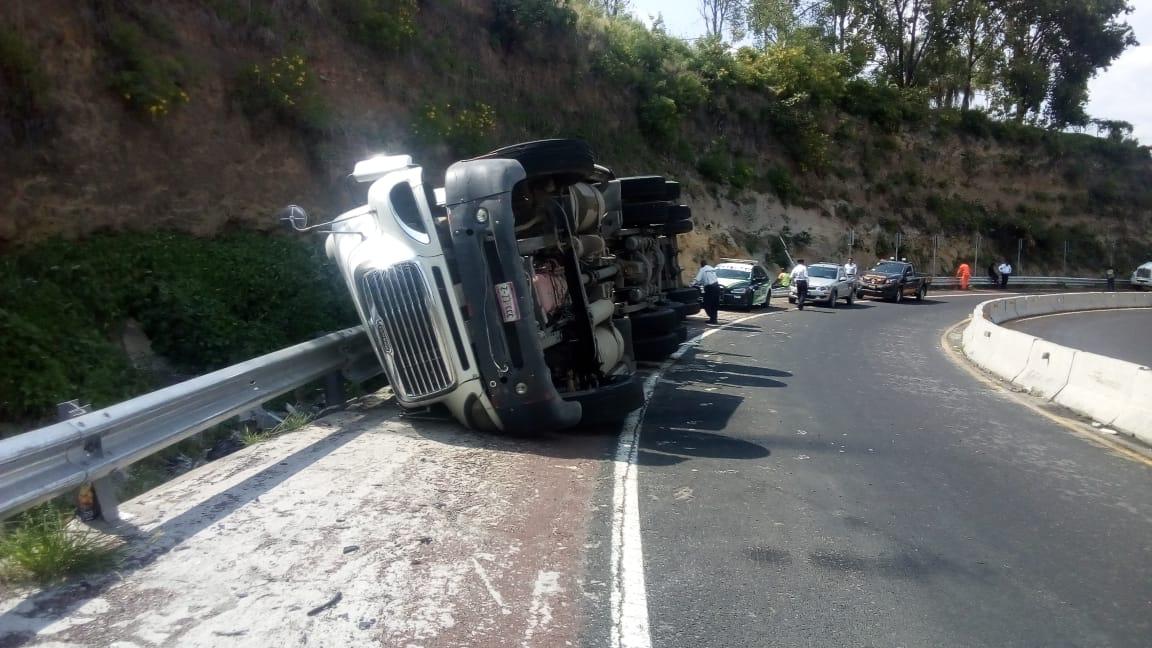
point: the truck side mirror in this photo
(294, 216)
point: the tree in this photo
(721, 15)
(612, 8)
(905, 32)
(769, 21)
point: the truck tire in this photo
(684, 295)
(643, 189)
(654, 349)
(685, 309)
(672, 190)
(646, 213)
(651, 323)
(920, 292)
(610, 403)
(678, 227)
(571, 158)
(899, 294)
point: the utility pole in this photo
(934, 268)
(976, 262)
(897, 246)
(1019, 252)
(1064, 271)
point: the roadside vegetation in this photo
(43, 545)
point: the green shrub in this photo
(658, 118)
(284, 90)
(467, 129)
(23, 91)
(517, 23)
(151, 84)
(781, 183)
(383, 25)
(40, 545)
(203, 303)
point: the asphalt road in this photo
(831, 478)
(1122, 334)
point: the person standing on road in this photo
(964, 274)
(1110, 276)
(706, 278)
(1005, 271)
(799, 276)
(850, 268)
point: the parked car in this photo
(520, 295)
(1142, 277)
(894, 280)
(744, 283)
(827, 283)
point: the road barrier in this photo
(1079, 283)
(1113, 392)
(86, 449)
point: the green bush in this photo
(23, 91)
(41, 546)
(383, 25)
(518, 23)
(467, 129)
(283, 89)
(781, 184)
(150, 83)
(203, 303)
(659, 119)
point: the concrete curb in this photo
(1114, 392)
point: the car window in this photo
(729, 273)
(822, 272)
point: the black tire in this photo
(678, 227)
(654, 349)
(653, 322)
(685, 309)
(569, 158)
(649, 213)
(682, 333)
(920, 292)
(642, 189)
(672, 190)
(684, 295)
(851, 298)
(899, 294)
(832, 299)
(610, 403)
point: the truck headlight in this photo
(738, 291)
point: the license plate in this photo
(506, 295)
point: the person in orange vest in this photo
(964, 273)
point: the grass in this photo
(291, 423)
(41, 546)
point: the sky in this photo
(1123, 91)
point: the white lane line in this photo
(629, 597)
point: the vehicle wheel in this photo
(648, 213)
(653, 322)
(653, 349)
(671, 190)
(685, 309)
(920, 292)
(899, 294)
(564, 157)
(684, 295)
(610, 403)
(642, 189)
(851, 298)
(832, 299)
(678, 227)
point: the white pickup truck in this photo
(520, 295)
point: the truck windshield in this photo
(822, 273)
(729, 273)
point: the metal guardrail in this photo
(53, 460)
(1034, 282)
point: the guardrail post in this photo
(107, 504)
(334, 395)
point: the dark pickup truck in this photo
(893, 280)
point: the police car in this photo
(744, 283)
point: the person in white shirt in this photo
(1005, 271)
(707, 279)
(850, 268)
(799, 277)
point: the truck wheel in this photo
(899, 294)
(654, 349)
(920, 292)
(653, 322)
(685, 309)
(564, 157)
(610, 403)
(648, 213)
(684, 295)
(642, 189)
(671, 190)
(678, 227)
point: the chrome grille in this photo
(401, 321)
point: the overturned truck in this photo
(520, 295)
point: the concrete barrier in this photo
(1047, 369)
(1110, 391)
